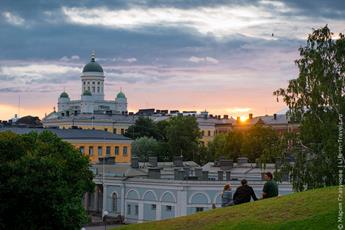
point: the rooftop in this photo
(70, 134)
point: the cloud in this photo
(13, 19)
(210, 60)
(218, 21)
(72, 58)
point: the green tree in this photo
(144, 147)
(316, 100)
(43, 180)
(261, 142)
(227, 145)
(143, 127)
(183, 136)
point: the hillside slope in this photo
(314, 209)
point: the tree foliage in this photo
(43, 180)
(315, 100)
(143, 127)
(144, 147)
(258, 142)
(183, 136)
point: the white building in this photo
(92, 95)
(160, 190)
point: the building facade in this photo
(92, 96)
(97, 145)
(137, 196)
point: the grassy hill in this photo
(314, 209)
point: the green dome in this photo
(121, 95)
(64, 95)
(93, 66)
(87, 93)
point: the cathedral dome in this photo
(64, 95)
(93, 66)
(121, 95)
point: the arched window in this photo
(114, 203)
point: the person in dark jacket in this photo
(270, 188)
(244, 193)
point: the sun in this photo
(243, 118)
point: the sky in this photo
(164, 54)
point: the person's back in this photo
(227, 196)
(244, 193)
(270, 188)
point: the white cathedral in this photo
(92, 95)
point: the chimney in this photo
(178, 161)
(154, 173)
(179, 174)
(186, 172)
(220, 175)
(250, 116)
(226, 117)
(153, 161)
(204, 175)
(275, 116)
(135, 162)
(225, 164)
(228, 175)
(257, 163)
(242, 160)
(238, 119)
(198, 173)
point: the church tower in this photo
(92, 79)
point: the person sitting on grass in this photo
(270, 188)
(227, 196)
(244, 193)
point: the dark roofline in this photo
(70, 134)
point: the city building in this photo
(91, 111)
(92, 96)
(140, 192)
(99, 146)
(279, 122)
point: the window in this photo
(199, 209)
(202, 133)
(153, 207)
(122, 131)
(99, 150)
(98, 83)
(84, 82)
(105, 129)
(93, 89)
(93, 82)
(114, 202)
(81, 149)
(88, 88)
(128, 209)
(136, 209)
(116, 150)
(168, 208)
(209, 133)
(107, 151)
(114, 130)
(98, 89)
(91, 150)
(125, 149)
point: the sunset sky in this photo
(188, 55)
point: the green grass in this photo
(314, 209)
